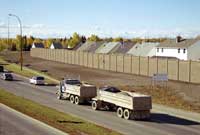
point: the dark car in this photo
(6, 76)
(1, 69)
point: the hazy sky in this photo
(127, 18)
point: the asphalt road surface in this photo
(16, 123)
(160, 123)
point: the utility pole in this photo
(21, 48)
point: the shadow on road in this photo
(168, 119)
(68, 121)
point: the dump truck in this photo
(128, 105)
(76, 91)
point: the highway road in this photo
(160, 124)
(16, 123)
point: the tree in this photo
(94, 38)
(118, 39)
(74, 40)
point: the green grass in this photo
(60, 120)
(26, 71)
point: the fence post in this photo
(116, 63)
(123, 63)
(178, 71)
(109, 62)
(148, 66)
(190, 70)
(157, 65)
(167, 66)
(139, 66)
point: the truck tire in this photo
(71, 98)
(95, 105)
(77, 100)
(126, 114)
(120, 112)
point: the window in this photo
(157, 49)
(179, 50)
(162, 50)
(184, 50)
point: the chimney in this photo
(178, 39)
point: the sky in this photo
(106, 18)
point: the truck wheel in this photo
(77, 100)
(95, 105)
(120, 112)
(126, 114)
(71, 99)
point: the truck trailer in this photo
(128, 105)
(76, 91)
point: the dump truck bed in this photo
(129, 100)
(83, 90)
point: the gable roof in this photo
(57, 45)
(85, 46)
(94, 46)
(38, 45)
(125, 47)
(142, 49)
(108, 47)
(171, 43)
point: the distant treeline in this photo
(13, 44)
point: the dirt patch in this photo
(188, 94)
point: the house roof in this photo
(94, 46)
(125, 47)
(171, 43)
(85, 46)
(38, 45)
(57, 45)
(108, 47)
(142, 49)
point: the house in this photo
(108, 47)
(144, 49)
(85, 46)
(37, 45)
(95, 46)
(56, 45)
(183, 49)
(125, 47)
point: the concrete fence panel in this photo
(85, 59)
(90, 60)
(95, 60)
(135, 65)
(113, 63)
(120, 63)
(101, 61)
(162, 66)
(184, 71)
(152, 66)
(195, 72)
(127, 64)
(144, 66)
(173, 69)
(81, 58)
(107, 62)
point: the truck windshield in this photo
(40, 78)
(73, 82)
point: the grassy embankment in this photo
(62, 121)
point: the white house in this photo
(56, 45)
(144, 49)
(37, 45)
(183, 49)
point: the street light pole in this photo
(21, 48)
